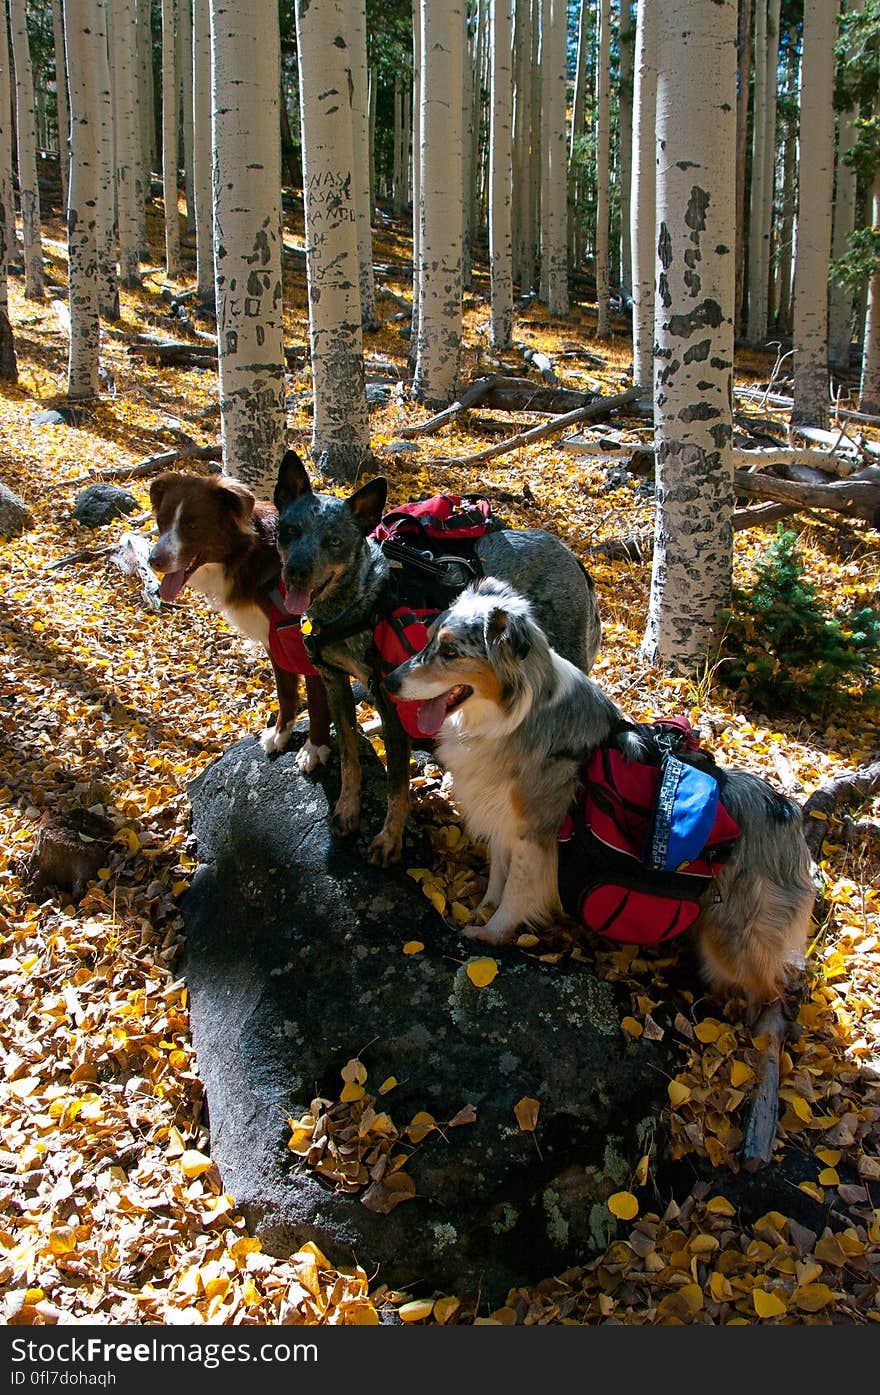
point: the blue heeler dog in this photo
(337, 577)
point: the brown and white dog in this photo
(218, 538)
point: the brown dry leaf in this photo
(527, 1111)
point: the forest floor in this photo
(110, 1207)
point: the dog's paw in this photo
(385, 850)
(489, 934)
(274, 739)
(346, 819)
(309, 757)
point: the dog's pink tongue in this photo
(296, 602)
(172, 584)
(431, 715)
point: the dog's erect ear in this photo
(506, 628)
(368, 503)
(159, 487)
(237, 497)
(292, 482)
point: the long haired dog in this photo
(336, 575)
(518, 722)
(218, 539)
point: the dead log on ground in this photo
(166, 460)
(540, 362)
(842, 792)
(603, 407)
(634, 548)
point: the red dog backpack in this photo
(644, 839)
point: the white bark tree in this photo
(554, 168)
(184, 61)
(440, 251)
(146, 109)
(416, 176)
(500, 177)
(523, 232)
(696, 153)
(361, 167)
(869, 384)
(61, 104)
(758, 220)
(816, 182)
(246, 74)
(84, 34)
(26, 132)
(341, 428)
(770, 155)
(108, 282)
(202, 194)
(744, 68)
(603, 172)
(643, 203)
(8, 367)
(129, 188)
(170, 145)
(625, 124)
(840, 303)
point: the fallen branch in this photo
(602, 408)
(150, 466)
(857, 497)
(471, 395)
(843, 791)
(540, 362)
(633, 548)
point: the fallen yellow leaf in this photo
(526, 1112)
(481, 971)
(623, 1205)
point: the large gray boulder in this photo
(295, 965)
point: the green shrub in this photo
(782, 651)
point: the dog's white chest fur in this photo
(484, 797)
(245, 617)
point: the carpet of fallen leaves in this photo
(111, 1209)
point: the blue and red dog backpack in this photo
(645, 839)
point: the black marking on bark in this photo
(662, 353)
(692, 256)
(697, 352)
(720, 363)
(701, 412)
(721, 434)
(695, 217)
(339, 42)
(663, 290)
(721, 248)
(707, 314)
(705, 386)
(693, 282)
(664, 374)
(687, 165)
(664, 247)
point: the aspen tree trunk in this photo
(772, 86)
(184, 63)
(816, 180)
(696, 150)
(579, 99)
(201, 156)
(554, 196)
(26, 132)
(643, 207)
(744, 68)
(537, 155)
(146, 111)
(397, 167)
(341, 429)
(789, 201)
(625, 124)
(108, 284)
(417, 179)
(129, 189)
(83, 31)
(523, 265)
(371, 110)
(470, 120)
(8, 366)
(756, 329)
(439, 341)
(245, 80)
(840, 303)
(869, 385)
(61, 102)
(500, 177)
(603, 149)
(361, 166)
(170, 123)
